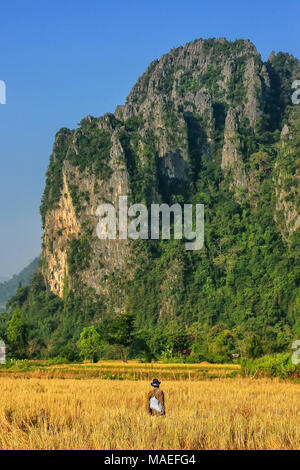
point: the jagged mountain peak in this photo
(208, 123)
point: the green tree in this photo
(254, 348)
(223, 347)
(17, 334)
(177, 339)
(90, 343)
(122, 333)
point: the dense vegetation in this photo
(240, 294)
(277, 365)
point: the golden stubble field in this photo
(43, 413)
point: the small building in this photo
(2, 352)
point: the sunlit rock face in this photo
(211, 100)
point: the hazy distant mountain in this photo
(9, 287)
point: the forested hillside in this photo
(208, 123)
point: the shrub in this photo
(277, 365)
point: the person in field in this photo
(156, 400)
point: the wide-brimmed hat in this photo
(155, 383)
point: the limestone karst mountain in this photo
(210, 123)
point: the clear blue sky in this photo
(64, 59)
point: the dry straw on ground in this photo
(94, 414)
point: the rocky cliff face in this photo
(211, 100)
(72, 213)
(287, 177)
